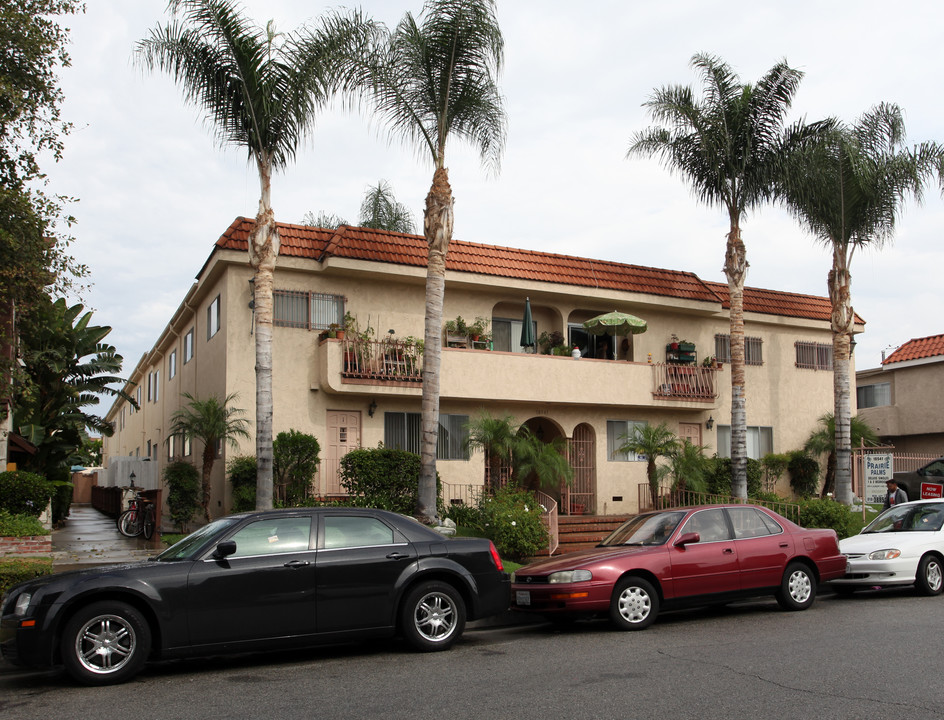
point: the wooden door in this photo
(344, 435)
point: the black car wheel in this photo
(105, 642)
(635, 604)
(433, 616)
(930, 577)
(798, 587)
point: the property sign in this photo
(931, 490)
(878, 469)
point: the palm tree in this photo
(848, 189)
(211, 422)
(323, 220)
(380, 210)
(260, 90)
(497, 437)
(688, 467)
(653, 441)
(822, 441)
(730, 146)
(431, 80)
(546, 461)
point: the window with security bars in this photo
(814, 356)
(301, 309)
(877, 395)
(402, 431)
(753, 349)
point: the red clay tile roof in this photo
(917, 349)
(775, 302)
(400, 249)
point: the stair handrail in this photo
(549, 518)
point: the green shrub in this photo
(804, 474)
(62, 488)
(718, 476)
(383, 478)
(24, 492)
(242, 474)
(294, 463)
(20, 525)
(827, 513)
(184, 492)
(15, 571)
(465, 516)
(512, 520)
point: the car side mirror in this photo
(224, 549)
(686, 538)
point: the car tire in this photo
(930, 577)
(104, 643)
(635, 604)
(798, 587)
(432, 617)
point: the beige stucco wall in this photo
(307, 377)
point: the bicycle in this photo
(138, 519)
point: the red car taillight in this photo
(495, 557)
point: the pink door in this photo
(344, 435)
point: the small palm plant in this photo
(653, 441)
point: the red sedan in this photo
(685, 556)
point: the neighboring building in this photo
(903, 399)
(351, 394)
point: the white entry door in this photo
(344, 435)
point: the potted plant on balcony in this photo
(457, 332)
(478, 328)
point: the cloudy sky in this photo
(155, 191)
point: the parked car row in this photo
(288, 578)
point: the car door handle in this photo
(728, 551)
(296, 563)
(786, 545)
(397, 556)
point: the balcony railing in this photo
(689, 382)
(385, 360)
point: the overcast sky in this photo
(155, 191)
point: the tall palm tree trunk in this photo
(209, 457)
(843, 317)
(263, 254)
(437, 225)
(735, 270)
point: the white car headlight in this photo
(569, 576)
(890, 554)
(22, 603)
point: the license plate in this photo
(522, 597)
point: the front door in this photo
(690, 432)
(344, 435)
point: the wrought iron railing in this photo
(689, 382)
(385, 360)
(669, 498)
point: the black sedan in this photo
(258, 581)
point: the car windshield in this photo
(184, 549)
(653, 529)
(926, 517)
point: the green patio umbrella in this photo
(527, 327)
(615, 323)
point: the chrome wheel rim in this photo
(105, 644)
(934, 576)
(435, 616)
(800, 586)
(634, 605)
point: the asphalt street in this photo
(875, 655)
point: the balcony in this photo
(389, 367)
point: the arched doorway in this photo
(581, 496)
(547, 431)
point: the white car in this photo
(902, 546)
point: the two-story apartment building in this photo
(360, 393)
(902, 399)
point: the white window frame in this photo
(760, 441)
(172, 365)
(617, 431)
(188, 346)
(213, 317)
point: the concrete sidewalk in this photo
(88, 537)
